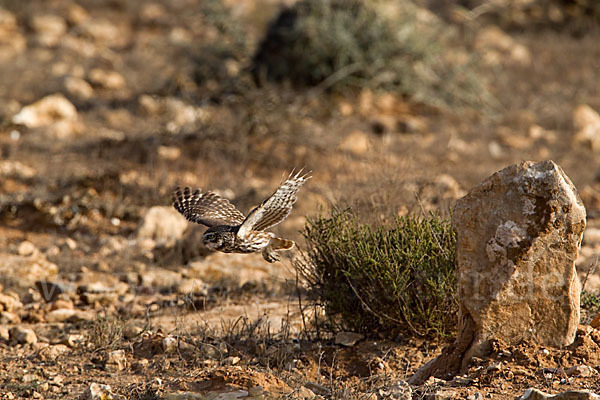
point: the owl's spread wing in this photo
(208, 208)
(276, 208)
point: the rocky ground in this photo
(107, 106)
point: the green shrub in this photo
(349, 44)
(391, 280)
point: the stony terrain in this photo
(107, 106)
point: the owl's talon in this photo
(271, 257)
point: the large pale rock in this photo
(24, 271)
(587, 126)
(518, 235)
(47, 111)
(163, 224)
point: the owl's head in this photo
(212, 240)
(218, 238)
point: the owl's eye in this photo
(210, 236)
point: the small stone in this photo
(231, 360)
(51, 353)
(587, 125)
(444, 394)
(4, 334)
(78, 87)
(357, 143)
(169, 344)
(494, 367)
(60, 315)
(26, 248)
(7, 317)
(132, 330)
(97, 391)
(116, 361)
(535, 394)
(47, 111)
(170, 153)
(348, 339)
(582, 371)
(106, 79)
(9, 303)
(50, 28)
(61, 303)
(192, 286)
(16, 169)
(317, 388)
(163, 224)
(22, 335)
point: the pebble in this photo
(49, 110)
(97, 391)
(9, 303)
(60, 315)
(348, 339)
(106, 79)
(22, 335)
(26, 248)
(132, 330)
(7, 317)
(116, 361)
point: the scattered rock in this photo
(78, 88)
(170, 153)
(25, 271)
(22, 335)
(116, 361)
(47, 111)
(231, 360)
(4, 334)
(106, 79)
(7, 317)
(102, 31)
(498, 47)
(348, 339)
(50, 28)
(162, 224)
(357, 143)
(317, 388)
(9, 303)
(60, 315)
(158, 279)
(193, 286)
(444, 394)
(582, 371)
(587, 125)
(97, 391)
(518, 235)
(169, 344)
(16, 169)
(26, 248)
(132, 330)
(399, 390)
(51, 353)
(535, 394)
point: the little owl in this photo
(229, 231)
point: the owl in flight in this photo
(229, 230)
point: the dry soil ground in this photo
(161, 100)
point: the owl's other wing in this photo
(207, 208)
(276, 208)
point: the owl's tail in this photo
(281, 244)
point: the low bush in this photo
(397, 279)
(342, 45)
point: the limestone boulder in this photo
(518, 234)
